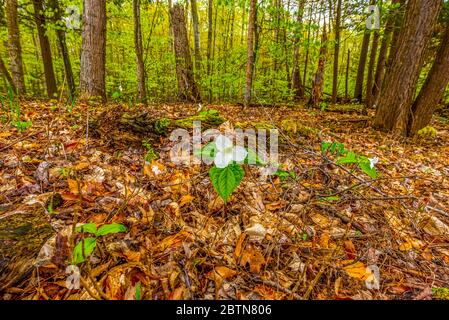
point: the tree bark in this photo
(358, 93)
(433, 90)
(372, 63)
(47, 60)
(93, 50)
(6, 74)
(187, 88)
(250, 53)
(336, 53)
(397, 94)
(383, 53)
(14, 46)
(62, 45)
(141, 85)
(209, 46)
(196, 36)
(318, 81)
(297, 85)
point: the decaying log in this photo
(23, 232)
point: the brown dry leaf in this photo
(81, 166)
(350, 250)
(355, 270)
(154, 169)
(178, 293)
(254, 258)
(324, 240)
(239, 246)
(185, 200)
(320, 219)
(215, 205)
(269, 293)
(73, 186)
(147, 215)
(174, 241)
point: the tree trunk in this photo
(382, 60)
(297, 85)
(348, 65)
(196, 37)
(358, 93)
(397, 94)
(93, 50)
(209, 46)
(14, 46)
(250, 53)
(187, 88)
(336, 53)
(318, 81)
(433, 90)
(62, 45)
(6, 74)
(141, 85)
(47, 60)
(372, 63)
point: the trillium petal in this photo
(222, 142)
(222, 159)
(240, 154)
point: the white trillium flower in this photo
(227, 152)
(373, 162)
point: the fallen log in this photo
(23, 232)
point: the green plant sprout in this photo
(348, 157)
(86, 246)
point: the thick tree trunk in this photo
(141, 85)
(6, 74)
(318, 81)
(47, 60)
(93, 51)
(62, 45)
(336, 53)
(187, 88)
(433, 90)
(348, 65)
(397, 94)
(14, 46)
(196, 36)
(358, 93)
(372, 62)
(297, 85)
(383, 54)
(250, 53)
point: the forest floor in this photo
(314, 234)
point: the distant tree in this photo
(14, 46)
(93, 50)
(141, 84)
(336, 52)
(250, 53)
(196, 36)
(62, 45)
(39, 19)
(6, 74)
(297, 85)
(318, 80)
(394, 111)
(187, 87)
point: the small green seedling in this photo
(86, 246)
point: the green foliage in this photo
(440, 293)
(161, 126)
(86, 246)
(226, 180)
(427, 133)
(151, 154)
(348, 157)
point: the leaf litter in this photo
(312, 235)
